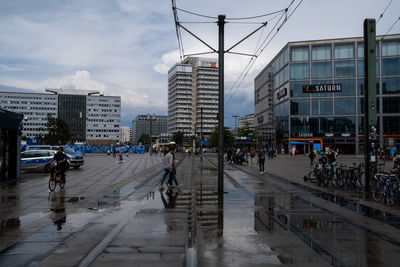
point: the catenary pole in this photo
(221, 24)
(370, 98)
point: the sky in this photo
(125, 47)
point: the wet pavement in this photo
(112, 213)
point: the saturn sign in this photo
(322, 88)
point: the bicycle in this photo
(386, 188)
(56, 179)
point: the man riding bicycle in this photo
(61, 159)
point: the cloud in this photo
(167, 61)
(8, 68)
(80, 80)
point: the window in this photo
(345, 106)
(391, 66)
(321, 52)
(300, 107)
(344, 51)
(299, 53)
(391, 48)
(360, 86)
(344, 68)
(360, 68)
(391, 85)
(322, 106)
(299, 71)
(391, 124)
(391, 104)
(360, 50)
(296, 89)
(321, 70)
(321, 82)
(348, 87)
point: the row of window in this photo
(341, 51)
(389, 86)
(341, 69)
(341, 106)
(391, 124)
(102, 130)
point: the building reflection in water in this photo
(112, 199)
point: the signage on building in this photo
(243, 138)
(281, 93)
(322, 88)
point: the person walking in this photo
(311, 156)
(252, 155)
(261, 159)
(114, 152)
(168, 168)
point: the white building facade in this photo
(193, 96)
(89, 115)
(125, 134)
(34, 107)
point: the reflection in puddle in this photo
(110, 200)
(169, 198)
(337, 240)
(57, 208)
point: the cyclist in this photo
(61, 159)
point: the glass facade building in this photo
(306, 120)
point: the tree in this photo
(246, 130)
(144, 139)
(57, 130)
(178, 138)
(228, 137)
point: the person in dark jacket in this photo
(261, 159)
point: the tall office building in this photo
(150, 124)
(89, 115)
(305, 119)
(193, 96)
(125, 134)
(34, 107)
(247, 120)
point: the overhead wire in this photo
(258, 50)
(381, 15)
(195, 14)
(249, 65)
(391, 27)
(255, 53)
(252, 61)
(256, 17)
(178, 32)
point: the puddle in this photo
(336, 239)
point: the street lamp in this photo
(304, 134)
(236, 117)
(150, 118)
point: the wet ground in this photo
(112, 213)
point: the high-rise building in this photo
(150, 124)
(193, 96)
(125, 134)
(247, 120)
(89, 115)
(330, 116)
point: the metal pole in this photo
(369, 98)
(221, 23)
(201, 133)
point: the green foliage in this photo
(57, 130)
(144, 139)
(228, 138)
